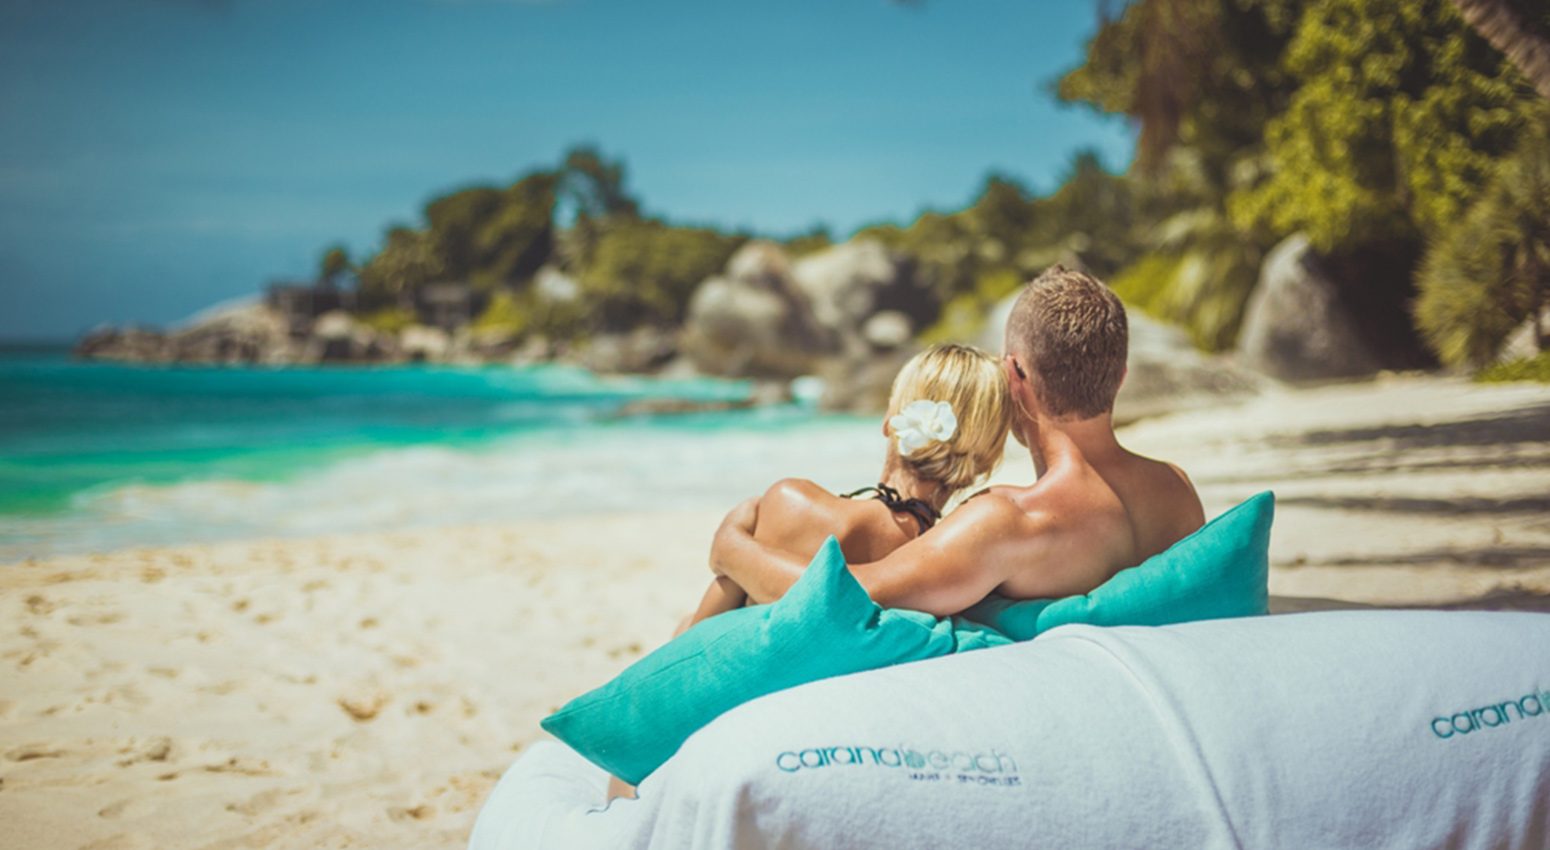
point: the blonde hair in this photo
(973, 383)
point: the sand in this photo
(367, 690)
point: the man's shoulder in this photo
(1164, 508)
(1173, 487)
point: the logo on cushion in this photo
(961, 766)
(1533, 704)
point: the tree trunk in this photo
(1496, 21)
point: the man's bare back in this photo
(1097, 521)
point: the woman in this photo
(948, 417)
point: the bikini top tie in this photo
(923, 513)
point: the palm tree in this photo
(1507, 31)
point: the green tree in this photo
(1202, 78)
(407, 261)
(595, 184)
(516, 241)
(334, 263)
(1484, 277)
(643, 271)
(1001, 218)
(1201, 73)
(1093, 216)
(454, 222)
(1399, 117)
(814, 239)
(493, 237)
(593, 187)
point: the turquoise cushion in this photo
(1221, 570)
(826, 626)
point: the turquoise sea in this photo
(100, 456)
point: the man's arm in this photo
(955, 565)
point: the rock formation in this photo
(752, 321)
(1295, 327)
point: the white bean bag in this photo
(1361, 729)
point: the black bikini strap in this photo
(925, 515)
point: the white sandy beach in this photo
(366, 690)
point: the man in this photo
(1095, 508)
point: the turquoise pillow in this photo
(827, 626)
(824, 626)
(1221, 570)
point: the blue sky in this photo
(157, 156)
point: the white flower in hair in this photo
(922, 423)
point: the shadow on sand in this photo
(1527, 425)
(1402, 504)
(1501, 600)
(1507, 557)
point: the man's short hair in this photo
(1069, 332)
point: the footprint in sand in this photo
(104, 618)
(363, 706)
(263, 802)
(241, 765)
(134, 807)
(30, 752)
(156, 749)
(127, 695)
(421, 812)
(38, 605)
(121, 841)
(468, 791)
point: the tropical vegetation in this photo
(1407, 139)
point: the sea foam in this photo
(629, 466)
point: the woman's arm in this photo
(787, 524)
(770, 570)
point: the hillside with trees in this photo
(1388, 160)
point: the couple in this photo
(1095, 509)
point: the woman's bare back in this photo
(797, 515)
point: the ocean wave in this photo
(609, 468)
